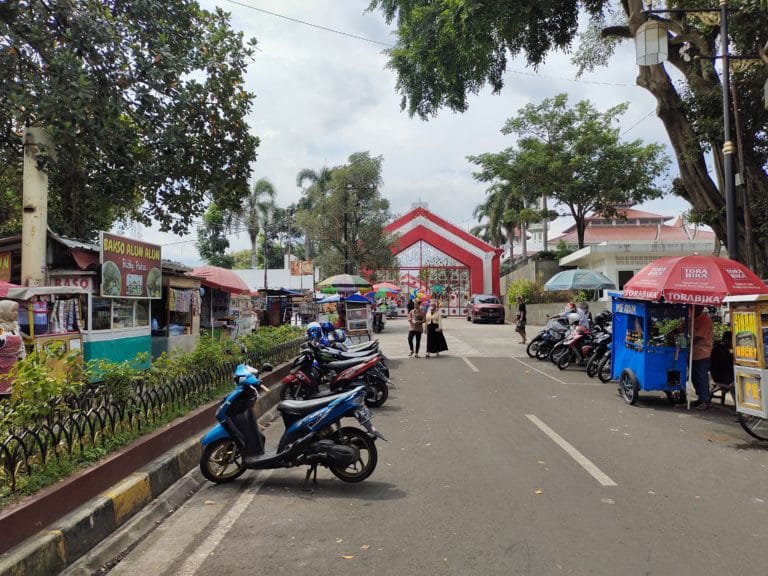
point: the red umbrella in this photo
(222, 279)
(704, 280)
(386, 287)
(8, 290)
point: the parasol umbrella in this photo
(694, 279)
(345, 283)
(386, 288)
(579, 279)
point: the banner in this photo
(301, 268)
(130, 268)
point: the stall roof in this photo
(221, 278)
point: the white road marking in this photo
(527, 365)
(582, 460)
(193, 563)
(472, 366)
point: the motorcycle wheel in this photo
(221, 461)
(604, 369)
(565, 359)
(543, 351)
(532, 347)
(368, 455)
(557, 351)
(294, 392)
(376, 393)
(593, 365)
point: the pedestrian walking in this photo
(434, 328)
(416, 319)
(520, 319)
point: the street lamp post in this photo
(651, 44)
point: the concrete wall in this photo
(538, 313)
(533, 271)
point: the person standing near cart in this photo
(701, 349)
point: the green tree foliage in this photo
(448, 49)
(319, 182)
(212, 241)
(144, 102)
(348, 217)
(574, 155)
(253, 213)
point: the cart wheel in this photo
(628, 386)
(754, 425)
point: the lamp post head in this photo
(651, 46)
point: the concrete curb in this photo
(57, 546)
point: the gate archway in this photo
(437, 258)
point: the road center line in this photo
(472, 366)
(193, 563)
(582, 460)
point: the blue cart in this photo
(650, 348)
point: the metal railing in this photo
(87, 421)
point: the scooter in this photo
(308, 377)
(579, 346)
(313, 435)
(559, 325)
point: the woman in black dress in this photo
(433, 326)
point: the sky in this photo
(323, 92)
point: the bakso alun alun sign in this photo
(129, 268)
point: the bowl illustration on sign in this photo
(154, 286)
(111, 281)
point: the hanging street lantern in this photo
(651, 46)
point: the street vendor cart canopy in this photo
(694, 279)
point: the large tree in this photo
(143, 100)
(348, 219)
(212, 241)
(448, 49)
(575, 156)
(319, 182)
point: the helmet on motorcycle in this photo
(314, 331)
(324, 341)
(327, 327)
(573, 318)
(339, 335)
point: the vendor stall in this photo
(176, 316)
(649, 348)
(749, 328)
(220, 285)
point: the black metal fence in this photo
(88, 420)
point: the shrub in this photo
(528, 289)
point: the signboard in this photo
(746, 336)
(129, 268)
(750, 396)
(301, 268)
(5, 266)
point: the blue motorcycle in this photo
(313, 435)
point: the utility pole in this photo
(346, 240)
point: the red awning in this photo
(221, 279)
(85, 258)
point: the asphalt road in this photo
(495, 464)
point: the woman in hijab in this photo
(433, 326)
(11, 343)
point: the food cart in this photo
(358, 317)
(749, 328)
(649, 348)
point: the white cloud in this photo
(321, 96)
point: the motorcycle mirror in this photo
(266, 367)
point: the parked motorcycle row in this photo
(331, 379)
(566, 343)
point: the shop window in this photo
(102, 314)
(122, 314)
(142, 312)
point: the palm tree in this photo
(319, 185)
(255, 212)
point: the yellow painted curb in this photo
(129, 496)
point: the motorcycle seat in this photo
(344, 364)
(300, 407)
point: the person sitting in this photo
(721, 366)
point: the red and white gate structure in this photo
(441, 260)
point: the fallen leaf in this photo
(209, 502)
(339, 540)
(365, 547)
(538, 491)
(428, 444)
(347, 557)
